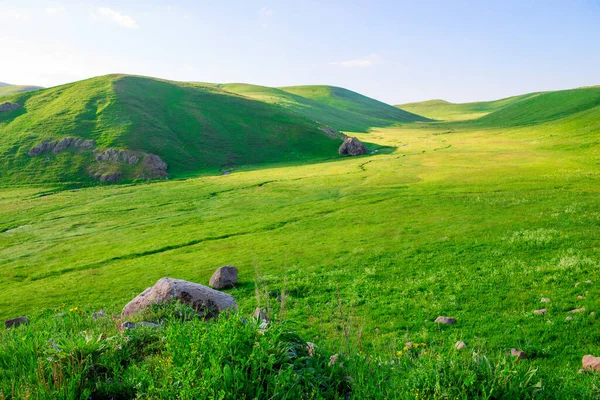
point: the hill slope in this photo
(359, 112)
(6, 89)
(191, 127)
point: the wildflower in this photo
(333, 359)
(310, 347)
(400, 353)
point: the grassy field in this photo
(471, 219)
(6, 89)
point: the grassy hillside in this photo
(6, 89)
(192, 127)
(338, 108)
(445, 111)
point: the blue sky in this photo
(395, 51)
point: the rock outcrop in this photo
(116, 155)
(8, 106)
(224, 277)
(57, 146)
(209, 302)
(154, 167)
(353, 147)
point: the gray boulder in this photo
(207, 301)
(224, 277)
(13, 323)
(352, 147)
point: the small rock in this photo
(544, 300)
(592, 313)
(590, 362)
(540, 312)
(580, 297)
(224, 277)
(98, 314)
(128, 325)
(569, 318)
(577, 310)
(460, 345)
(13, 323)
(518, 353)
(147, 324)
(445, 320)
(260, 314)
(581, 371)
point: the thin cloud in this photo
(266, 12)
(114, 16)
(364, 62)
(56, 10)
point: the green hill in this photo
(446, 111)
(191, 127)
(6, 88)
(543, 107)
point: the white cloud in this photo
(364, 62)
(266, 12)
(55, 10)
(114, 16)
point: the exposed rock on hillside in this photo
(353, 147)
(60, 145)
(332, 133)
(117, 155)
(224, 277)
(445, 320)
(8, 106)
(591, 363)
(207, 301)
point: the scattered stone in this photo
(581, 371)
(260, 314)
(540, 312)
(128, 325)
(58, 146)
(544, 300)
(590, 362)
(460, 345)
(445, 320)
(580, 297)
(207, 301)
(577, 310)
(224, 277)
(147, 324)
(518, 353)
(8, 106)
(569, 318)
(592, 313)
(13, 323)
(98, 314)
(332, 133)
(353, 147)
(154, 167)
(579, 283)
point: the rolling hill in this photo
(336, 107)
(443, 110)
(7, 88)
(191, 127)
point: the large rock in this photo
(8, 106)
(590, 362)
(13, 323)
(58, 146)
(208, 301)
(353, 147)
(224, 277)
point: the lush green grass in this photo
(192, 127)
(336, 107)
(6, 89)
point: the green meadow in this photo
(475, 219)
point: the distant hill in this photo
(6, 88)
(192, 127)
(445, 111)
(336, 107)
